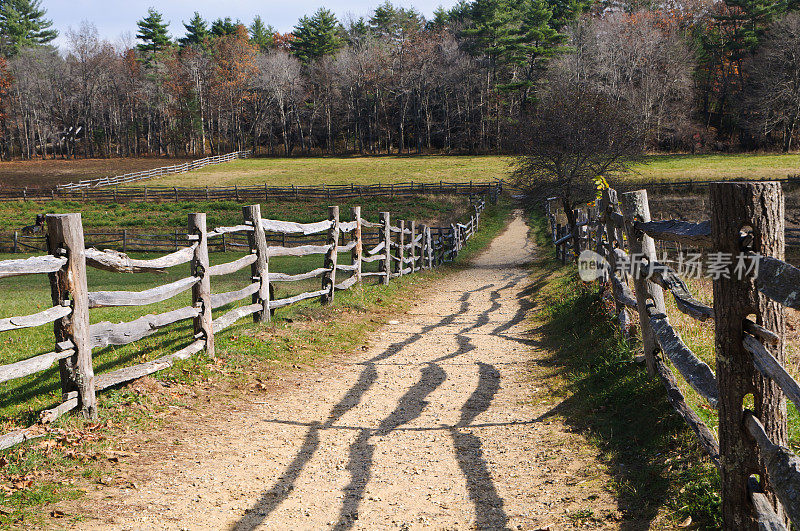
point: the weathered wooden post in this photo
(401, 243)
(201, 292)
(16, 242)
(259, 270)
(331, 257)
(358, 251)
(637, 209)
(556, 237)
(738, 207)
(124, 240)
(68, 287)
(386, 237)
(413, 249)
(427, 248)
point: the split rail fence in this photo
(163, 194)
(760, 475)
(401, 249)
(155, 172)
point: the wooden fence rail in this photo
(75, 337)
(155, 172)
(250, 194)
(760, 476)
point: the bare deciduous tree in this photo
(772, 104)
(576, 136)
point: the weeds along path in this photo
(440, 424)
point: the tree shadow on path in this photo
(360, 450)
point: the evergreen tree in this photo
(153, 33)
(357, 33)
(391, 22)
(537, 42)
(262, 35)
(22, 24)
(440, 20)
(317, 36)
(492, 31)
(197, 32)
(222, 27)
(518, 38)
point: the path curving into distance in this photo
(436, 426)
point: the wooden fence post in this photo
(427, 248)
(358, 250)
(413, 249)
(734, 207)
(260, 268)
(614, 233)
(68, 286)
(201, 292)
(16, 242)
(556, 237)
(331, 257)
(637, 209)
(386, 236)
(401, 241)
(124, 240)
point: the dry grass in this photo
(345, 170)
(718, 166)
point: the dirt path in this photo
(437, 425)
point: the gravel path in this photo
(436, 426)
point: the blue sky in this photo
(114, 18)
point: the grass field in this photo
(345, 170)
(725, 166)
(166, 217)
(394, 169)
(382, 169)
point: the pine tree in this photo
(153, 33)
(492, 31)
(394, 23)
(222, 27)
(536, 43)
(197, 32)
(22, 24)
(357, 33)
(317, 36)
(440, 20)
(262, 35)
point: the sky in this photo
(115, 18)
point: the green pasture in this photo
(478, 168)
(315, 171)
(166, 217)
(716, 167)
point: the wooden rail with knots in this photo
(401, 249)
(760, 476)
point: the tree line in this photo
(694, 74)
